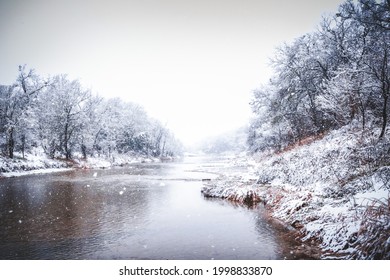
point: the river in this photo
(140, 211)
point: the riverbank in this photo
(39, 163)
(141, 211)
(333, 191)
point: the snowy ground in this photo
(334, 190)
(31, 164)
(38, 163)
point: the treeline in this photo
(327, 79)
(233, 141)
(64, 119)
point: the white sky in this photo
(193, 64)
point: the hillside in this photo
(333, 189)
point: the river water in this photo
(141, 211)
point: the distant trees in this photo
(328, 78)
(64, 119)
(228, 142)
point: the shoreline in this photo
(32, 165)
(340, 208)
(251, 196)
(14, 174)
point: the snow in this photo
(322, 189)
(38, 171)
(32, 164)
(39, 163)
(370, 197)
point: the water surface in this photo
(142, 211)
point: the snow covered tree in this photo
(63, 114)
(16, 103)
(63, 118)
(328, 78)
(373, 17)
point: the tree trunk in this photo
(52, 149)
(66, 140)
(385, 92)
(384, 115)
(23, 139)
(84, 151)
(11, 143)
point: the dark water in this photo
(144, 211)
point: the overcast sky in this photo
(193, 64)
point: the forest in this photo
(327, 79)
(58, 116)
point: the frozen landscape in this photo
(322, 190)
(285, 161)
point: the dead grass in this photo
(373, 239)
(305, 141)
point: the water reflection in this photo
(150, 211)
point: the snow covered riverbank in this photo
(31, 164)
(39, 163)
(334, 190)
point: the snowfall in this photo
(328, 191)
